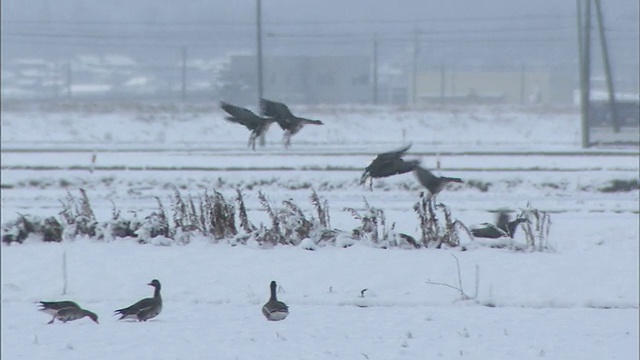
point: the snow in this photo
(119, 60)
(137, 81)
(604, 95)
(576, 301)
(78, 88)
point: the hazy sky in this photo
(488, 32)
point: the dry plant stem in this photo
(459, 288)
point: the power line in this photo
(147, 35)
(272, 34)
(295, 22)
(317, 40)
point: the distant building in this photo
(300, 79)
(492, 88)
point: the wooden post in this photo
(65, 279)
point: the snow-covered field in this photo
(577, 301)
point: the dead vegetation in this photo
(437, 226)
(214, 218)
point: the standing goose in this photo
(290, 123)
(65, 311)
(144, 309)
(275, 310)
(256, 124)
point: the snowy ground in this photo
(579, 301)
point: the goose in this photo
(388, 164)
(65, 311)
(503, 227)
(256, 124)
(275, 310)
(144, 309)
(433, 183)
(290, 123)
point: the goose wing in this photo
(57, 305)
(394, 153)
(241, 115)
(275, 109)
(136, 308)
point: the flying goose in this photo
(256, 124)
(433, 183)
(387, 164)
(65, 311)
(144, 309)
(290, 123)
(275, 310)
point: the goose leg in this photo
(287, 139)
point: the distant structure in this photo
(300, 79)
(493, 87)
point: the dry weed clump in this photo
(536, 229)
(214, 218)
(435, 233)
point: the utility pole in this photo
(584, 46)
(607, 68)
(56, 82)
(522, 87)
(442, 85)
(259, 57)
(184, 74)
(375, 70)
(69, 80)
(414, 72)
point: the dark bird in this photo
(433, 183)
(256, 124)
(65, 311)
(388, 164)
(290, 123)
(275, 310)
(502, 228)
(144, 309)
